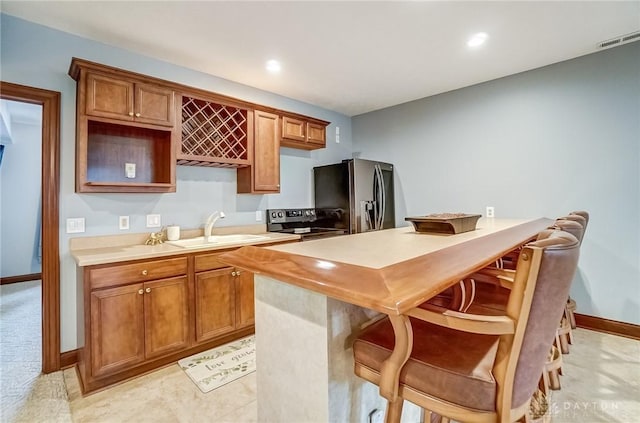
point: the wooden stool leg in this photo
(394, 411)
(563, 335)
(431, 417)
(571, 308)
(554, 380)
(543, 383)
(552, 369)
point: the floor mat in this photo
(218, 366)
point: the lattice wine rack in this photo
(213, 134)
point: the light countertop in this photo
(89, 251)
(390, 271)
(384, 248)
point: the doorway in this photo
(50, 102)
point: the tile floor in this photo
(601, 384)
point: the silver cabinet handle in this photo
(233, 273)
(238, 273)
(140, 291)
(130, 113)
(145, 272)
(137, 114)
(147, 290)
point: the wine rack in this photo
(213, 134)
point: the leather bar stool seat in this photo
(456, 368)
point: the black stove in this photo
(305, 222)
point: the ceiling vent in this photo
(623, 39)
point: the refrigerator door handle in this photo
(383, 198)
(379, 195)
(367, 208)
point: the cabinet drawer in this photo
(208, 262)
(121, 274)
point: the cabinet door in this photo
(154, 105)
(266, 159)
(166, 316)
(294, 129)
(245, 309)
(215, 303)
(109, 97)
(316, 134)
(117, 329)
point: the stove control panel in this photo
(290, 215)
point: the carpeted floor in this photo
(27, 395)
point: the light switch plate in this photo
(258, 216)
(123, 222)
(153, 221)
(75, 225)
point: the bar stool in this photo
(474, 368)
(571, 303)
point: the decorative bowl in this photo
(445, 223)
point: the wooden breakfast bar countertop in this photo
(389, 271)
(312, 298)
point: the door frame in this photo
(50, 175)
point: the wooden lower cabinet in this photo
(133, 323)
(215, 303)
(166, 316)
(245, 298)
(224, 302)
(139, 315)
(117, 329)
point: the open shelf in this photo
(110, 147)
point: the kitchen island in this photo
(312, 298)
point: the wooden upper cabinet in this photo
(294, 129)
(263, 176)
(303, 133)
(109, 97)
(316, 134)
(125, 132)
(154, 105)
(123, 99)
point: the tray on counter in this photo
(445, 223)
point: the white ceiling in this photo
(351, 57)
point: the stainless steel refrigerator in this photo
(356, 195)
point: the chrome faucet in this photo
(211, 220)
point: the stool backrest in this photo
(543, 277)
(572, 224)
(584, 214)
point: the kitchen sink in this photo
(213, 240)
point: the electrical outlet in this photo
(75, 225)
(130, 170)
(153, 221)
(337, 135)
(123, 222)
(490, 211)
(258, 216)
(376, 416)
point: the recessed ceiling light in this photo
(478, 39)
(273, 66)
